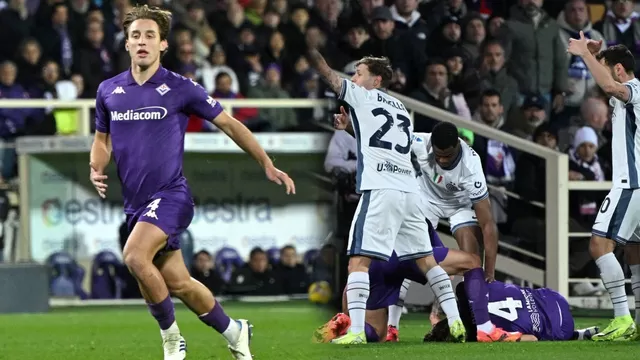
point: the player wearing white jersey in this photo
(454, 188)
(619, 214)
(389, 214)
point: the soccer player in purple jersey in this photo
(141, 117)
(539, 314)
(387, 280)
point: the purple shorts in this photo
(170, 210)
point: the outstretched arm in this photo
(328, 75)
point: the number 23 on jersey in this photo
(404, 123)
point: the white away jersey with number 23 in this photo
(383, 131)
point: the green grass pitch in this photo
(282, 331)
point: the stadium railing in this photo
(556, 274)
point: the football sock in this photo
(613, 279)
(635, 286)
(477, 292)
(370, 333)
(395, 311)
(218, 319)
(163, 312)
(357, 296)
(441, 285)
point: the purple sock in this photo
(370, 333)
(216, 318)
(477, 292)
(163, 312)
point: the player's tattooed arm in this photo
(605, 81)
(328, 75)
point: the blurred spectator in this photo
(492, 74)
(276, 52)
(57, 38)
(584, 165)
(536, 54)
(490, 113)
(473, 35)
(407, 18)
(435, 92)
(443, 10)
(94, 61)
(573, 19)
(291, 273)
(357, 36)
(533, 114)
(324, 265)
(223, 91)
(12, 121)
(326, 14)
(446, 36)
(295, 29)
(594, 113)
(255, 277)
(203, 270)
(29, 65)
(282, 119)
(15, 26)
(404, 52)
(341, 153)
(218, 60)
(620, 26)
(462, 83)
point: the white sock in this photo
(233, 332)
(173, 329)
(486, 327)
(635, 286)
(441, 285)
(613, 279)
(395, 311)
(357, 296)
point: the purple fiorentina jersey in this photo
(543, 313)
(386, 277)
(147, 125)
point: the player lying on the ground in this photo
(387, 278)
(539, 314)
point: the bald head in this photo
(595, 113)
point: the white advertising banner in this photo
(236, 205)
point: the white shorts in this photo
(458, 217)
(619, 216)
(386, 220)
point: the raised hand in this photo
(97, 179)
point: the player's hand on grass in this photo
(340, 121)
(97, 179)
(280, 177)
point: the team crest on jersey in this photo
(163, 89)
(452, 187)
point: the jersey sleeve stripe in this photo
(630, 94)
(480, 198)
(631, 128)
(360, 156)
(343, 91)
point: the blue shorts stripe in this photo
(618, 214)
(464, 224)
(369, 254)
(358, 231)
(415, 256)
(630, 140)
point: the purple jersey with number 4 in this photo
(543, 313)
(147, 125)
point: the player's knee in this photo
(180, 287)
(135, 262)
(599, 246)
(359, 264)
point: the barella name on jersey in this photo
(144, 113)
(394, 169)
(394, 104)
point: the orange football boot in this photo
(337, 326)
(392, 334)
(498, 335)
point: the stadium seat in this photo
(227, 259)
(106, 282)
(274, 255)
(66, 276)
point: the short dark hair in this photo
(491, 42)
(378, 66)
(161, 17)
(287, 247)
(491, 93)
(256, 251)
(444, 135)
(221, 75)
(618, 54)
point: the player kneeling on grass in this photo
(539, 314)
(388, 278)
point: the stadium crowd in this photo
(502, 63)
